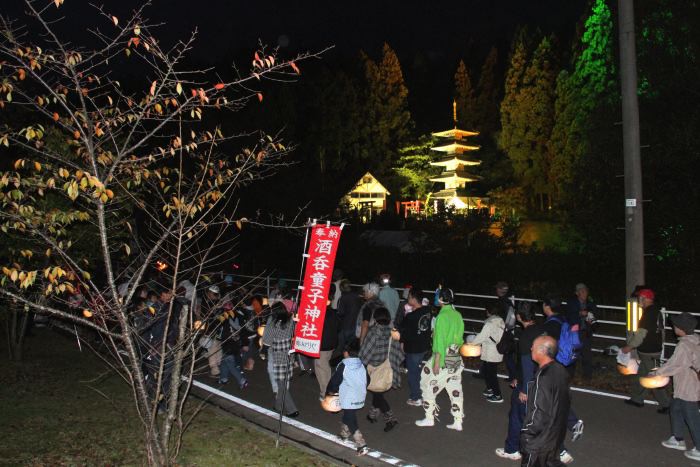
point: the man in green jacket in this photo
(444, 370)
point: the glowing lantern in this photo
(470, 350)
(198, 324)
(395, 334)
(627, 370)
(87, 313)
(261, 330)
(653, 382)
(265, 301)
(161, 266)
(331, 403)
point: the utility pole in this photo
(634, 220)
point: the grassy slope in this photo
(49, 415)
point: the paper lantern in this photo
(87, 313)
(261, 330)
(470, 350)
(653, 382)
(331, 403)
(395, 334)
(198, 324)
(626, 370)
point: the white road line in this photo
(584, 390)
(389, 459)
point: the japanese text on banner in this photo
(323, 247)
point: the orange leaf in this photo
(153, 88)
(257, 57)
(55, 116)
(115, 20)
(194, 92)
(219, 86)
(295, 67)
(260, 96)
(76, 134)
(21, 73)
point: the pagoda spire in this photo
(454, 111)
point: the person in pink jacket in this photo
(683, 366)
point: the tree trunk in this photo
(16, 330)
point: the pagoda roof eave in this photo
(455, 148)
(446, 161)
(455, 132)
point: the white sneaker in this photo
(693, 454)
(457, 426)
(577, 431)
(515, 456)
(415, 403)
(425, 422)
(565, 457)
(673, 443)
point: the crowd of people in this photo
(372, 337)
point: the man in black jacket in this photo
(548, 402)
(647, 340)
(416, 340)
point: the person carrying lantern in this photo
(684, 366)
(349, 382)
(444, 369)
(647, 340)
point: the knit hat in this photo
(581, 286)
(646, 293)
(685, 322)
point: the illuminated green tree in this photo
(388, 120)
(514, 76)
(464, 97)
(487, 95)
(530, 123)
(579, 92)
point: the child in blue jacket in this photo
(349, 381)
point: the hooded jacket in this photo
(548, 402)
(489, 336)
(350, 382)
(682, 365)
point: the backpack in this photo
(506, 343)
(569, 342)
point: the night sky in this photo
(429, 37)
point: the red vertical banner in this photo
(323, 247)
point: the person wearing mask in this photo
(525, 371)
(548, 402)
(581, 310)
(389, 296)
(278, 336)
(416, 340)
(683, 366)
(329, 342)
(488, 338)
(648, 343)
(370, 292)
(375, 349)
(444, 369)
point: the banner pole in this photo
(289, 354)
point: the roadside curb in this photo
(306, 436)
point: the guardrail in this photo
(472, 305)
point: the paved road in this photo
(616, 434)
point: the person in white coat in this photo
(488, 338)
